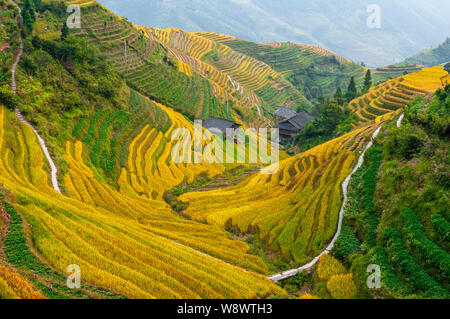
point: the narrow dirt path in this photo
(54, 170)
(400, 120)
(293, 272)
(259, 111)
(19, 55)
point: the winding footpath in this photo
(294, 272)
(54, 170)
(400, 120)
(259, 111)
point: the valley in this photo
(87, 177)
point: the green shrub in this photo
(370, 178)
(405, 141)
(389, 278)
(409, 266)
(347, 244)
(441, 225)
(433, 254)
(7, 97)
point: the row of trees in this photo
(335, 119)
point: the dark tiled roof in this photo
(301, 119)
(285, 112)
(286, 126)
(296, 123)
(212, 123)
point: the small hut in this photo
(218, 125)
(292, 126)
(284, 113)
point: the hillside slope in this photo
(299, 228)
(312, 70)
(339, 26)
(277, 207)
(124, 237)
(109, 115)
(103, 229)
(393, 94)
(397, 217)
(181, 69)
(434, 56)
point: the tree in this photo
(339, 96)
(331, 117)
(352, 92)
(38, 5)
(28, 6)
(368, 81)
(64, 31)
(447, 67)
(7, 97)
(29, 16)
(28, 23)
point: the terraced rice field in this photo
(234, 85)
(13, 286)
(128, 244)
(217, 37)
(294, 211)
(134, 148)
(248, 72)
(150, 170)
(113, 220)
(236, 75)
(394, 94)
(324, 52)
(154, 70)
(393, 71)
(320, 70)
(108, 134)
(191, 48)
